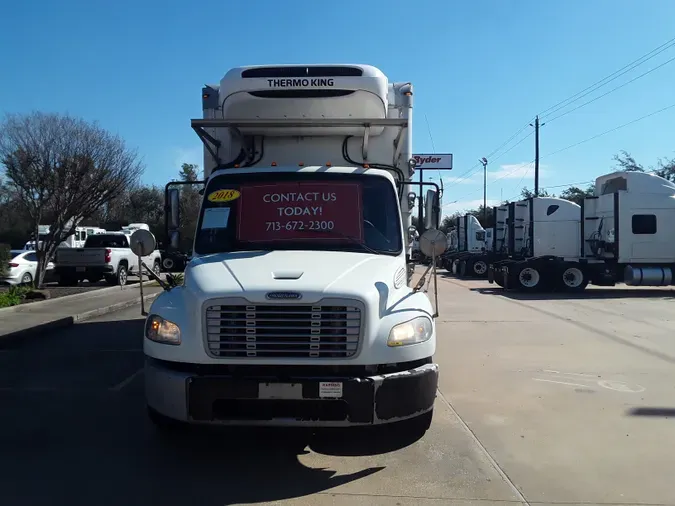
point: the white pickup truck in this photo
(104, 256)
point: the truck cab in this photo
(297, 306)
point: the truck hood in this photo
(314, 274)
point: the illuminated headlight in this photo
(162, 331)
(411, 332)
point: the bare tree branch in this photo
(65, 168)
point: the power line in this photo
(577, 144)
(611, 91)
(611, 77)
(609, 131)
(516, 144)
(577, 96)
(433, 145)
(474, 168)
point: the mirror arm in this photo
(152, 274)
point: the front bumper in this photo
(96, 271)
(229, 400)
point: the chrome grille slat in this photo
(283, 330)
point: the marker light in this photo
(301, 164)
(274, 164)
(328, 164)
(162, 331)
(366, 166)
(410, 332)
(236, 165)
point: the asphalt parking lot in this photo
(566, 401)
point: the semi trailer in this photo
(621, 234)
(297, 307)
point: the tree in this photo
(526, 193)
(576, 194)
(666, 169)
(447, 224)
(190, 202)
(626, 162)
(63, 169)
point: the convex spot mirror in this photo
(433, 243)
(142, 243)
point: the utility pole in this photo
(420, 212)
(536, 154)
(484, 161)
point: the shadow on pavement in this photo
(653, 412)
(590, 293)
(73, 439)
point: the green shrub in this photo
(13, 296)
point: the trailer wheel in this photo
(168, 264)
(480, 267)
(573, 279)
(529, 278)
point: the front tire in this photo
(479, 268)
(163, 422)
(418, 426)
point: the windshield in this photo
(106, 241)
(299, 211)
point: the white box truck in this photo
(296, 308)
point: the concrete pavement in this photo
(573, 397)
(78, 435)
(37, 318)
(540, 402)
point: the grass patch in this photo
(14, 296)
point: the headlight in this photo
(411, 332)
(162, 331)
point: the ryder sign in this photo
(433, 162)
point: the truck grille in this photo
(283, 330)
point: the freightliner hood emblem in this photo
(283, 296)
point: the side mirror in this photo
(174, 239)
(174, 208)
(432, 210)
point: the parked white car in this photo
(23, 267)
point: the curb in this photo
(69, 321)
(76, 296)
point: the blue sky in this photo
(481, 70)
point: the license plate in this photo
(280, 390)
(80, 269)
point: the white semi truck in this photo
(296, 308)
(621, 234)
(471, 248)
